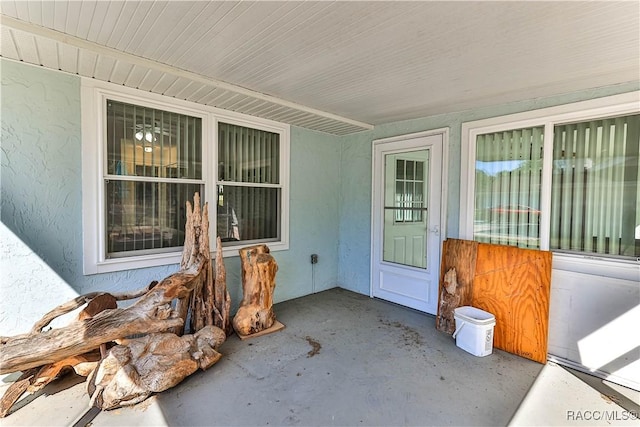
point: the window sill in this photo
(146, 261)
(598, 266)
(131, 263)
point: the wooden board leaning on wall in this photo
(511, 283)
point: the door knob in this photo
(435, 229)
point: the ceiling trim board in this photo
(78, 43)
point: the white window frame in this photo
(284, 133)
(616, 105)
(93, 96)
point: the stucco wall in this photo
(40, 180)
(38, 286)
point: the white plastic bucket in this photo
(474, 330)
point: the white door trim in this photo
(444, 132)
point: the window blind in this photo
(153, 166)
(595, 203)
(508, 180)
(248, 184)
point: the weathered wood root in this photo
(15, 390)
(35, 379)
(44, 356)
(449, 301)
(222, 299)
(151, 313)
(85, 299)
(139, 367)
(258, 283)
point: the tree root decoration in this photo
(222, 299)
(151, 364)
(44, 355)
(85, 299)
(16, 390)
(151, 313)
(259, 269)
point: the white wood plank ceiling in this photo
(336, 67)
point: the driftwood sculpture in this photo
(44, 355)
(449, 301)
(259, 269)
(156, 362)
(221, 297)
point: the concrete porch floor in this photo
(377, 364)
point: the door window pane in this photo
(409, 194)
(405, 208)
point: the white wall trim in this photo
(440, 131)
(626, 382)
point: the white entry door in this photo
(406, 243)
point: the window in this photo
(508, 170)
(249, 186)
(145, 155)
(153, 166)
(563, 179)
(595, 187)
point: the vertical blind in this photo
(595, 202)
(248, 184)
(508, 180)
(153, 157)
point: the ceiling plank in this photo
(8, 47)
(85, 19)
(72, 17)
(120, 72)
(371, 62)
(68, 58)
(87, 62)
(47, 51)
(27, 47)
(156, 70)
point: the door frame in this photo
(375, 176)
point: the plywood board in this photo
(514, 285)
(511, 283)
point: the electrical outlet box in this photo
(314, 258)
